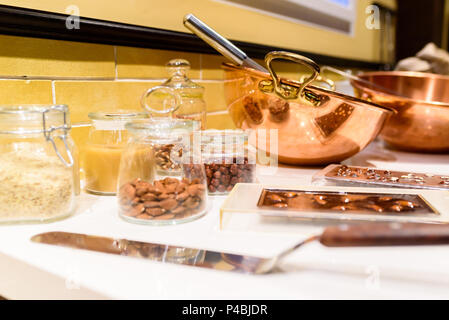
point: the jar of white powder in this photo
(39, 179)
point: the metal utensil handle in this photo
(385, 234)
(173, 93)
(214, 39)
(220, 43)
(283, 91)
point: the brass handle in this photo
(322, 79)
(283, 90)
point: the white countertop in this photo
(30, 270)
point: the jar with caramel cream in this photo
(103, 150)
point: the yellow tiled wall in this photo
(234, 22)
(92, 77)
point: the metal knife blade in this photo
(156, 252)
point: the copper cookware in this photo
(314, 125)
(422, 104)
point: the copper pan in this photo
(422, 104)
(314, 125)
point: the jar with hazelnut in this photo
(228, 160)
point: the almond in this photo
(151, 204)
(148, 197)
(135, 211)
(154, 211)
(128, 192)
(144, 216)
(193, 189)
(182, 196)
(169, 204)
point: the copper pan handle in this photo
(282, 90)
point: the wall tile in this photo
(25, 91)
(211, 67)
(133, 63)
(214, 95)
(84, 97)
(52, 58)
(220, 121)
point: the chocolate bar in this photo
(344, 202)
(364, 176)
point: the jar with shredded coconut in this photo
(39, 179)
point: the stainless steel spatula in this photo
(381, 234)
(220, 43)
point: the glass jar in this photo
(148, 194)
(191, 104)
(103, 149)
(39, 172)
(228, 159)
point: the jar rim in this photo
(26, 119)
(158, 126)
(119, 115)
(30, 108)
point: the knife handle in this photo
(385, 234)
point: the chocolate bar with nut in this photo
(365, 176)
(344, 202)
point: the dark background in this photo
(418, 23)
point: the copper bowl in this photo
(314, 126)
(422, 104)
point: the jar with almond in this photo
(148, 195)
(228, 159)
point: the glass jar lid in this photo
(178, 69)
(114, 120)
(32, 119)
(160, 129)
(180, 82)
(52, 121)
